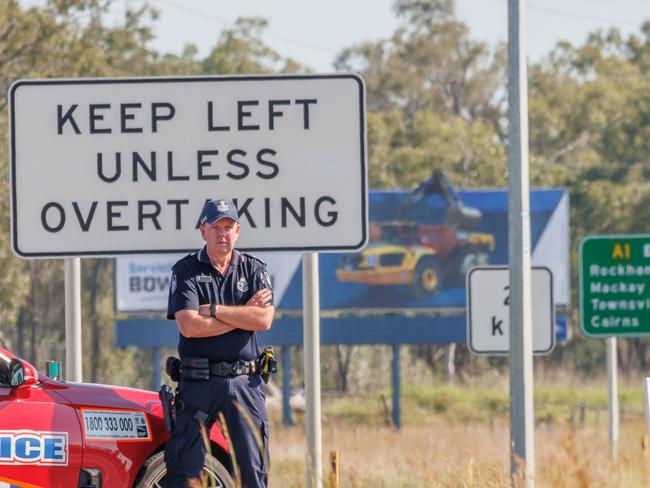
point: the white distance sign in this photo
(488, 310)
(116, 166)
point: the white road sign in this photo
(488, 313)
(116, 166)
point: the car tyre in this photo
(426, 278)
(155, 472)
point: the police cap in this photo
(218, 209)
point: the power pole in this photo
(522, 443)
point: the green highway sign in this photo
(615, 285)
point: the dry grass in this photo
(463, 455)
(458, 437)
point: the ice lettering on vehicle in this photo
(115, 425)
(32, 447)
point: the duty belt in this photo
(233, 369)
(202, 368)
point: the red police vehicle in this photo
(58, 434)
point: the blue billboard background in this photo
(442, 317)
(384, 207)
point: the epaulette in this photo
(252, 256)
(186, 258)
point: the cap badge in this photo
(223, 206)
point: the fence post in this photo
(335, 469)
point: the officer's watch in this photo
(213, 310)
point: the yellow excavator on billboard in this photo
(417, 254)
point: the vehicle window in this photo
(4, 372)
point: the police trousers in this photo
(237, 397)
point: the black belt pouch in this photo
(195, 368)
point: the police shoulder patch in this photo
(266, 279)
(253, 257)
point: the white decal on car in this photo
(115, 425)
(33, 447)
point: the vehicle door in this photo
(40, 435)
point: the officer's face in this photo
(221, 235)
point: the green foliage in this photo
(456, 403)
(364, 410)
(240, 50)
(435, 100)
(560, 404)
(71, 38)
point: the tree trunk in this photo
(640, 349)
(343, 357)
(20, 332)
(451, 367)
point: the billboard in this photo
(142, 281)
(421, 246)
(419, 252)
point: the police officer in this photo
(220, 298)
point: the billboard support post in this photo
(311, 327)
(157, 370)
(72, 283)
(522, 451)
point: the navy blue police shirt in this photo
(196, 282)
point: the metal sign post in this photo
(72, 280)
(522, 454)
(311, 327)
(612, 390)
